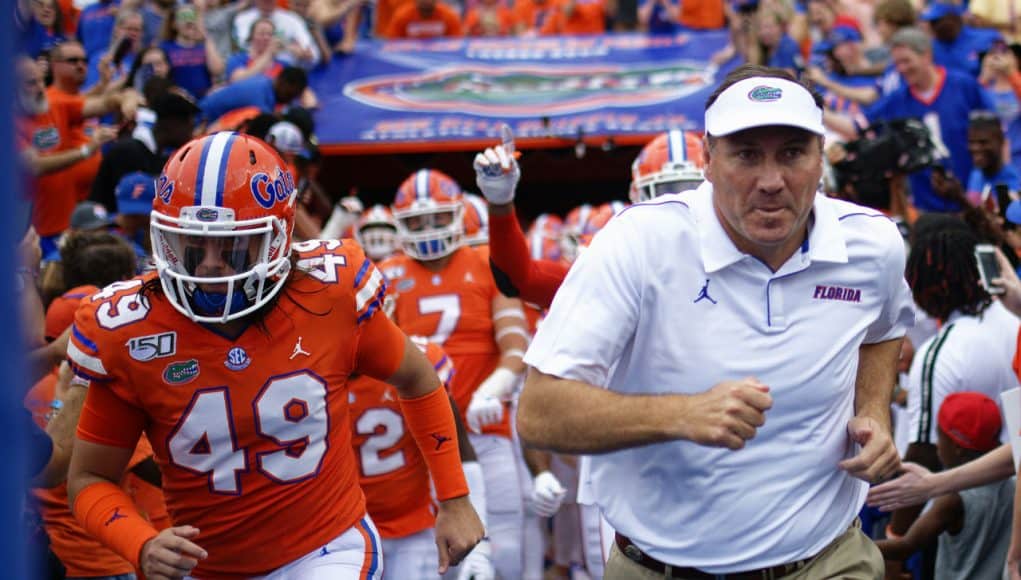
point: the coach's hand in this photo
(458, 530)
(878, 458)
(726, 415)
(171, 555)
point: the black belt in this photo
(636, 555)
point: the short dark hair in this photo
(748, 71)
(96, 258)
(983, 120)
(294, 76)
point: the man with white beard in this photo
(44, 130)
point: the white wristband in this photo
(85, 151)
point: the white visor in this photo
(762, 102)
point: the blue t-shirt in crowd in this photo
(256, 91)
(188, 67)
(787, 55)
(95, 26)
(889, 81)
(978, 181)
(658, 23)
(945, 113)
(36, 38)
(240, 60)
(334, 33)
(1008, 109)
(962, 54)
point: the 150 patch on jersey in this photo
(146, 348)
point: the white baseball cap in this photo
(761, 102)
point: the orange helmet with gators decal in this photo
(376, 231)
(476, 220)
(429, 209)
(544, 237)
(670, 163)
(221, 226)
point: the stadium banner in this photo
(453, 94)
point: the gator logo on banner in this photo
(530, 90)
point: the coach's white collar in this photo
(826, 242)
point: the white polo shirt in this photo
(970, 353)
(665, 292)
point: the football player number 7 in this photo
(290, 411)
(449, 307)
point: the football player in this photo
(376, 231)
(394, 478)
(445, 291)
(670, 163)
(234, 357)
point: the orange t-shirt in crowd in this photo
(84, 172)
(454, 309)
(587, 17)
(409, 22)
(251, 434)
(703, 14)
(82, 555)
(532, 15)
(53, 196)
(384, 13)
(392, 471)
(499, 21)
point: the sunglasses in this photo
(74, 60)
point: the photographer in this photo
(941, 98)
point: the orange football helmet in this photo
(582, 223)
(376, 232)
(429, 209)
(221, 226)
(544, 237)
(476, 220)
(670, 163)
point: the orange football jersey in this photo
(453, 308)
(392, 472)
(252, 435)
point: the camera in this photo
(899, 146)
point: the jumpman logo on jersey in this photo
(298, 350)
(387, 395)
(704, 294)
(117, 515)
(440, 440)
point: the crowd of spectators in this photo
(108, 90)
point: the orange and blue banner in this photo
(455, 93)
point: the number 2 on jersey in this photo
(449, 307)
(378, 442)
(289, 410)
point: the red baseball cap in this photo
(971, 420)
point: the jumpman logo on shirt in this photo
(298, 350)
(440, 440)
(704, 294)
(117, 515)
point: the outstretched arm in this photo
(497, 174)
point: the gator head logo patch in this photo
(764, 94)
(179, 373)
(530, 90)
